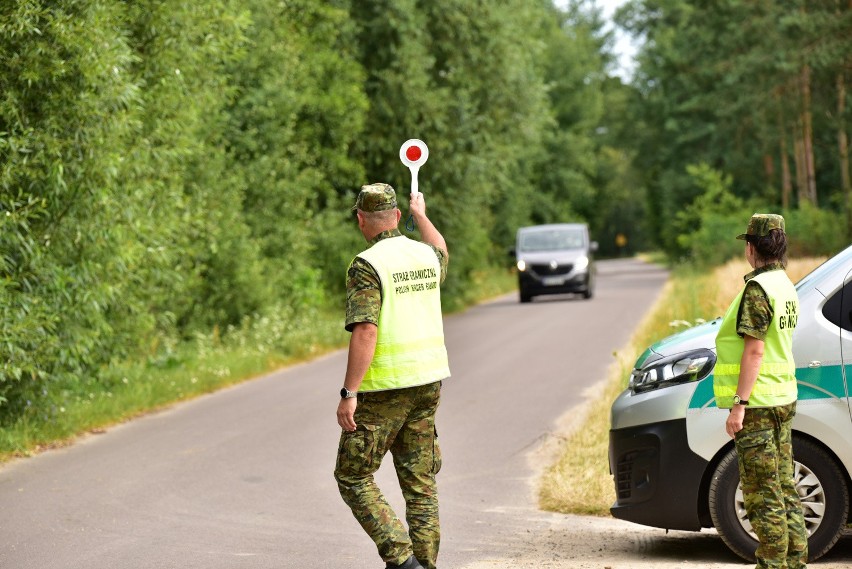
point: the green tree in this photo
(204, 270)
(66, 116)
(741, 86)
(106, 115)
(298, 109)
(465, 78)
(587, 175)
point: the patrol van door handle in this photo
(815, 364)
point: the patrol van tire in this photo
(728, 512)
(525, 296)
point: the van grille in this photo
(546, 270)
(624, 475)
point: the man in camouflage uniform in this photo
(392, 386)
(755, 378)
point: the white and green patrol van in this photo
(673, 465)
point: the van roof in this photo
(548, 226)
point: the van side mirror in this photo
(593, 246)
(511, 251)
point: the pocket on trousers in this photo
(436, 454)
(756, 454)
(357, 451)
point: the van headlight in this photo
(673, 370)
(522, 265)
(581, 263)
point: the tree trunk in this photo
(769, 169)
(786, 180)
(799, 157)
(810, 191)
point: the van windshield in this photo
(551, 240)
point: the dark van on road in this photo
(555, 259)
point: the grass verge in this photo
(579, 481)
(175, 373)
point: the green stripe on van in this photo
(814, 383)
(821, 382)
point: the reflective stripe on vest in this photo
(410, 344)
(776, 378)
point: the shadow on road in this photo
(707, 548)
(584, 543)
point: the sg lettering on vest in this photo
(789, 319)
(415, 275)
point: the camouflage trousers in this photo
(765, 455)
(401, 421)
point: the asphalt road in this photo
(243, 478)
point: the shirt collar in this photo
(384, 235)
(776, 266)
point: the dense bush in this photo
(172, 169)
(814, 232)
(707, 227)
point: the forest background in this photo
(176, 177)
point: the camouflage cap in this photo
(761, 224)
(375, 197)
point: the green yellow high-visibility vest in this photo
(776, 379)
(410, 347)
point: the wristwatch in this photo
(739, 400)
(346, 394)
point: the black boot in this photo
(410, 563)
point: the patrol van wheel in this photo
(525, 296)
(821, 488)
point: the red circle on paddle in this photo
(413, 153)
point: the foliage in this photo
(171, 170)
(705, 229)
(814, 232)
(63, 264)
(298, 107)
(174, 169)
(106, 243)
(756, 90)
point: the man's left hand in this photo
(346, 413)
(734, 424)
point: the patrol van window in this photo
(838, 309)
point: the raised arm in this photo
(428, 232)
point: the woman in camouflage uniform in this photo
(755, 378)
